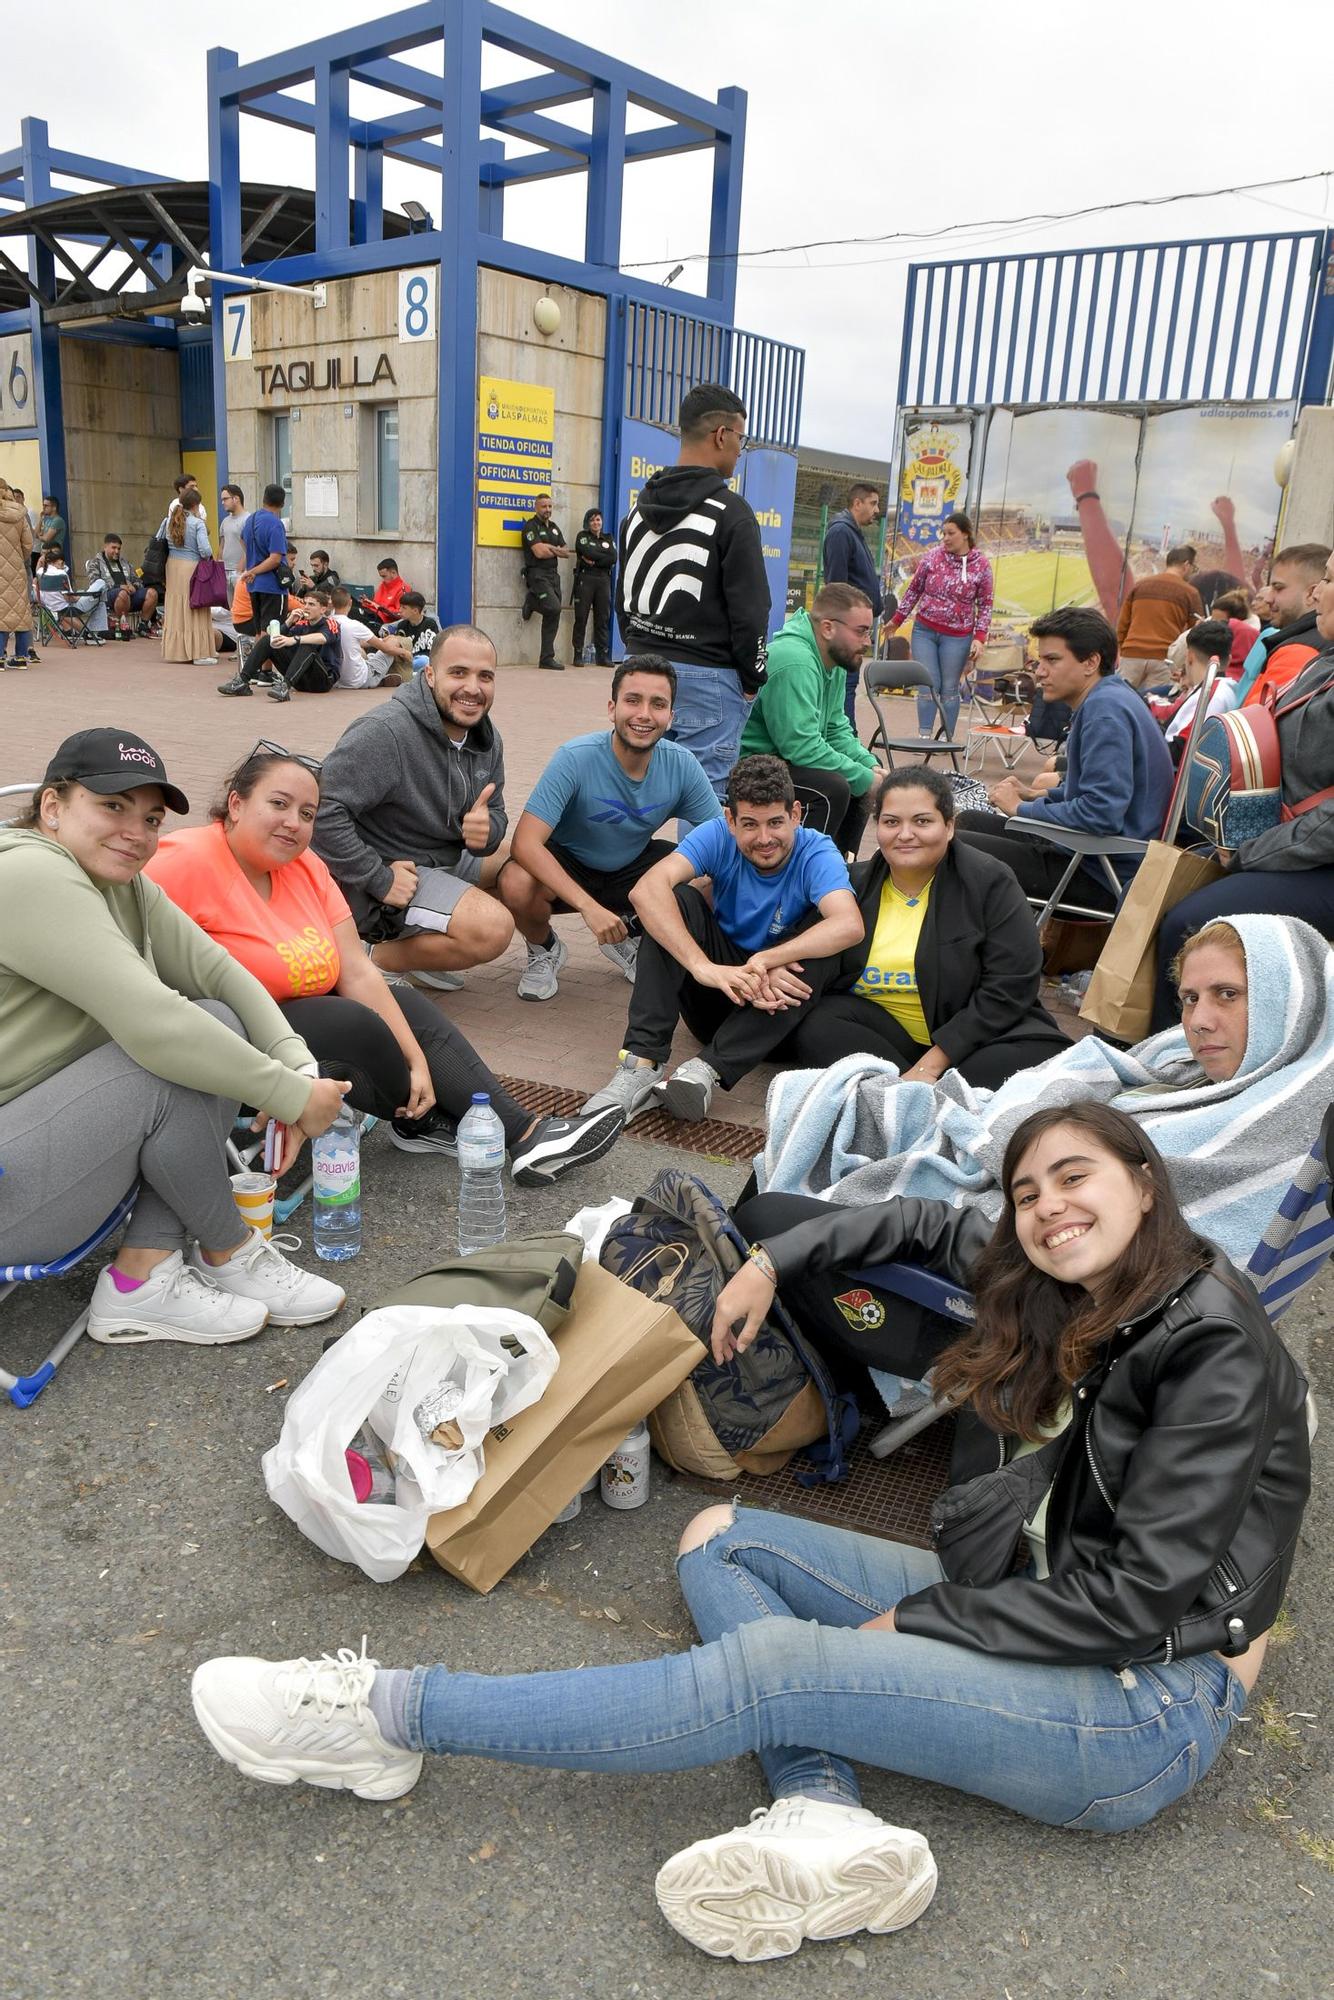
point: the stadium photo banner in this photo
(1206, 477)
(1055, 509)
(769, 483)
(516, 443)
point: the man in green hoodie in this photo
(798, 714)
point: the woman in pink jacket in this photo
(950, 592)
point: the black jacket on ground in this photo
(692, 583)
(847, 559)
(1181, 1482)
(979, 962)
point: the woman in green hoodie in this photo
(127, 1040)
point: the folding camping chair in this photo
(999, 699)
(1293, 1250)
(61, 612)
(881, 678)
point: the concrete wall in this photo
(570, 361)
(333, 428)
(122, 442)
(1309, 513)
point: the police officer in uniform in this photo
(594, 561)
(543, 546)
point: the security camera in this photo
(194, 307)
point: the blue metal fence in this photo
(667, 353)
(1201, 320)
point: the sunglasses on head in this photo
(265, 748)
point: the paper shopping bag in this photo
(1119, 999)
(620, 1355)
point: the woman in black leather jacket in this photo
(1157, 1451)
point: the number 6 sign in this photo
(416, 304)
(16, 397)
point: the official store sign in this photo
(516, 442)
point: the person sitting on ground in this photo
(1288, 870)
(730, 965)
(410, 637)
(250, 881)
(1233, 1097)
(305, 654)
(320, 574)
(587, 835)
(356, 667)
(800, 714)
(412, 821)
(1154, 612)
(948, 974)
(1292, 642)
(1118, 771)
(126, 597)
(1208, 643)
(127, 1041)
(389, 591)
(1120, 1363)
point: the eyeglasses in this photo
(265, 748)
(859, 631)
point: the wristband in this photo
(1092, 494)
(759, 1255)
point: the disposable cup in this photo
(253, 1195)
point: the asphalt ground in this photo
(134, 1865)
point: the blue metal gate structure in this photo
(1200, 320)
(667, 352)
(439, 129)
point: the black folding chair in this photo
(881, 678)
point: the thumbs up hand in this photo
(477, 822)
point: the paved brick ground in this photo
(571, 1040)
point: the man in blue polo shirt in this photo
(587, 833)
(265, 541)
(731, 968)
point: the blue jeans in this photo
(709, 714)
(946, 654)
(22, 644)
(783, 1671)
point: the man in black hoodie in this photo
(692, 584)
(594, 561)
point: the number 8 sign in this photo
(416, 304)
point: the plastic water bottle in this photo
(337, 1193)
(481, 1192)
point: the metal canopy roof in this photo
(159, 231)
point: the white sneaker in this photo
(174, 1302)
(688, 1091)
(624, 955)
(259, 1271)
(284, 1720)
(539, 978)
(803, 1868)
(438, 982)
(630, 1089)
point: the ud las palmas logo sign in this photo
(932, 481)
(516, 443)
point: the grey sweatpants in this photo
(75, 1144)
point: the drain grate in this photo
(889, 1497)
(713, 1136)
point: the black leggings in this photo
(350, 1040)
(1037, 864)
(828, 806)
(846, 1024)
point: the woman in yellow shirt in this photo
(949, 978)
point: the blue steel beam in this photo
(224, 224)
(606, 177)
(725, 210)
(333, 190)
(368, 42)
(48, 401)
(402, 79)
(367, 194)
(533, 40)
(456, 406)
(1318, 372)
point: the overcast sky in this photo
(864, 117)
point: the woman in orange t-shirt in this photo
(250, 880)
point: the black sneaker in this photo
(279, 690)
(435, 1133)
(555, 1145)
(234, 686)
(551, 666)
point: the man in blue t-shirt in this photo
(731, 968)
(265, 541)
(586, 835)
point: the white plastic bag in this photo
(592, 1225)
(497, 1362)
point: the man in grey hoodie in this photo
(412, 820)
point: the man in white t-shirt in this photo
(358, 669)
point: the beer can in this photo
(625, 1474)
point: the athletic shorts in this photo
(439, 894)
(611, 886)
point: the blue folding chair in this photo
(25, 1389)
(1294, 1248)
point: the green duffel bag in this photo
(526, 1274)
